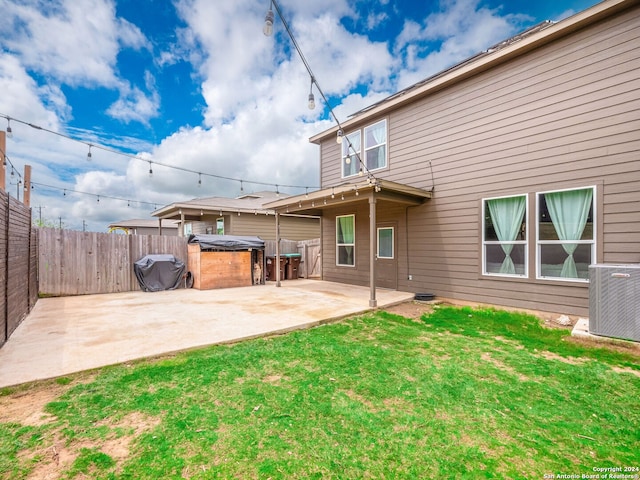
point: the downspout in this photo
(372, 250)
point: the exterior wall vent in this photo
(614, 301)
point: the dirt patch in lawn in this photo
(413, 310)
(59, 454)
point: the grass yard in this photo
(460, 393)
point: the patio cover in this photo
(372, 190)
(227, 243)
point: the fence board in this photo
(16, 275)
(4, 226)
(79, 263)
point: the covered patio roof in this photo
(371, 190)
(313, 203)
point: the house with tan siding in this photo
(499, 180)
(245, 215)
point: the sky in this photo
(193, 91)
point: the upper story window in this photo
(505, 236)
(350, 154)
(373, 153)
(566, 234)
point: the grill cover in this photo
(227, 243)
(159, 272)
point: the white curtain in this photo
(353, 140)
(506, 215)
(379, 133)
(569, 212)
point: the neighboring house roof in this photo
(248, 203)
(143, 223)
(518, 45)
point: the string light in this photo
(333, 193)
(150, 169)
(89, 154)
(199, 180)
(9, 131)
(65, 190)
(93, 146)
(312, 100)
(340, 133)
(268, 22)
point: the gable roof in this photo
(247, 203)
(532, 38)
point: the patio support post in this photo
(181, 230)
(372, 250)
(277, 265)
(159, 226)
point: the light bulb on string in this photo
(199, 180)
(312, 100)
(339, 136)
(89, 154)
(9, 131)
(268, 22)
(150, 169)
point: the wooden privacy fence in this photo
(309, 250)
(78, 263)
(18, 264)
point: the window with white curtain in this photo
(375, 145)
(504, 244)
(345, 240)
(566, 234)
(350, 154)
(373, 153)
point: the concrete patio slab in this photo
(71, 334)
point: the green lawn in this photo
(461, 393)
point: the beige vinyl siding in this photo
(562, 116)
(264, 226)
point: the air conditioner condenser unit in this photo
(614, 301)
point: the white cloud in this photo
(61, 39)
(134, 105)
(459, 30)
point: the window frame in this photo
(364, 148)
(393, 243)
(524, 242)
(218, 220)
(338, 245)
(593, 241)
(344, 152)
